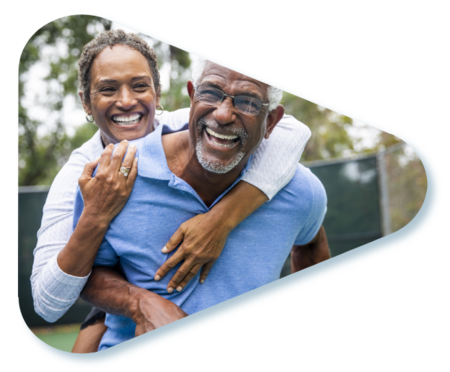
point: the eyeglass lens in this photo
(244, 104)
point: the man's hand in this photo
(154, 311)
(108, 290)
(317, 250)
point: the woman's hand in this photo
(106, 194)
(203, 237)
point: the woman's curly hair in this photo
(111, 38)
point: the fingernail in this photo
(170, 290)
(164, 250)
(132, 146)
(179, 288)
(157, 277)
(202, 281)
(124, 140)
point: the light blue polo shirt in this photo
(160, 202)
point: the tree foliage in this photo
(44, 145)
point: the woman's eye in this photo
(141, 85)
(107, 89)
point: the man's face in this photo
(223, 136)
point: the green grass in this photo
(60, 337)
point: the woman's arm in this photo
(62, 262)
(203, 237)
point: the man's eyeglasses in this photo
(247, 105)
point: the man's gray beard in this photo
(215, 166)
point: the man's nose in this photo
(126, 99)
(225, 112)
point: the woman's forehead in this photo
(118, 60)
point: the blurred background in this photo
(375, 183)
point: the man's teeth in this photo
(127, 120)
(221, 136)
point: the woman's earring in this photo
(160, 107)
(90, 118)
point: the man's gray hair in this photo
(274, 94)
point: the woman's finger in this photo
(133, 174)
(119, 152)
(89, 169)
(169, 265)
(129, 157)
(189, 276)
(175, 240)
(205, 271)
(105, 158)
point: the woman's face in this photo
(122, 96)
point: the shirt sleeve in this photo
(53, 290)
(275, 161)
(316, 214)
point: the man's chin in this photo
(215, 165)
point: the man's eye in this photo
(107, 89)
(249, 101)
(141, 86)
(211, 93)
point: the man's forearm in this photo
(303, 256)
(107, 290)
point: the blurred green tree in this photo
(45, 146)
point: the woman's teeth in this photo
(127, 120)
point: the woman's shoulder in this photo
(87, 152)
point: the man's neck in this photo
(182, 162)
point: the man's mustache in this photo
(230, 128)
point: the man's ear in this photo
(272, 120)
(87, 108)
(191, 90)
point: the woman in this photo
(120, 88)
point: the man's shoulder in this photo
(304, 181)
(305, 190)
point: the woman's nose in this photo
(225, 112)
(126, 99)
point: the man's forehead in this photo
(215, 72)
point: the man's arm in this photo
(317, 250)
(107, 290)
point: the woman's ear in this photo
(87, 108)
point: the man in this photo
(185, 173)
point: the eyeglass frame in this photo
(232, 99)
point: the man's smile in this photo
(221, 140)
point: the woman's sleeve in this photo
(53, 290)
(275, 161)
